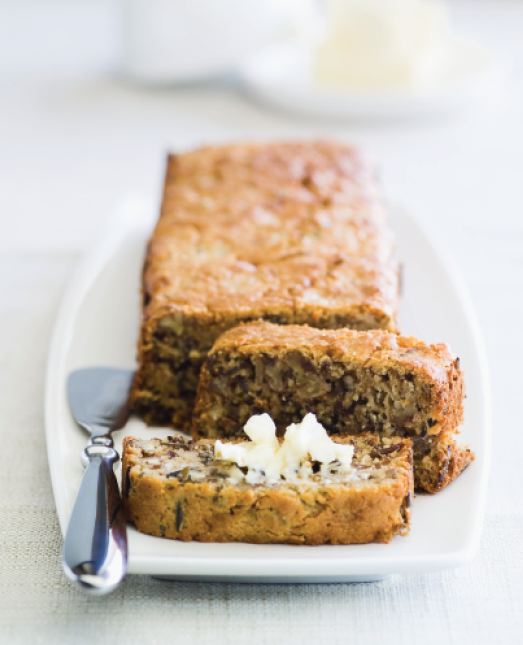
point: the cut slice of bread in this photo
(176, 488)
(353, 381)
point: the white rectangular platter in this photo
(98, 324)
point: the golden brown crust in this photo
(269, 228)
(212, 511)
(291, 232)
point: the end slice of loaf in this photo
(353, 381)
(175, 488)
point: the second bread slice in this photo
(373, 381)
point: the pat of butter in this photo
(269, 460)
(383, 44)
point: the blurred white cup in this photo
(181, 40)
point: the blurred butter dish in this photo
(171, 41)
(282, 77)
(383, 44)
(377, 59)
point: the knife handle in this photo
(95, 547)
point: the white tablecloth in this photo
(73, 140)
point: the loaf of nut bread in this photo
(289, 232)
(354, 381)
(178, 489)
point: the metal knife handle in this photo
(95, 548)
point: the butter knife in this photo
(95, 547)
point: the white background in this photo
(74, 138)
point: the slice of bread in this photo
(353, 381)
(177, 488)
